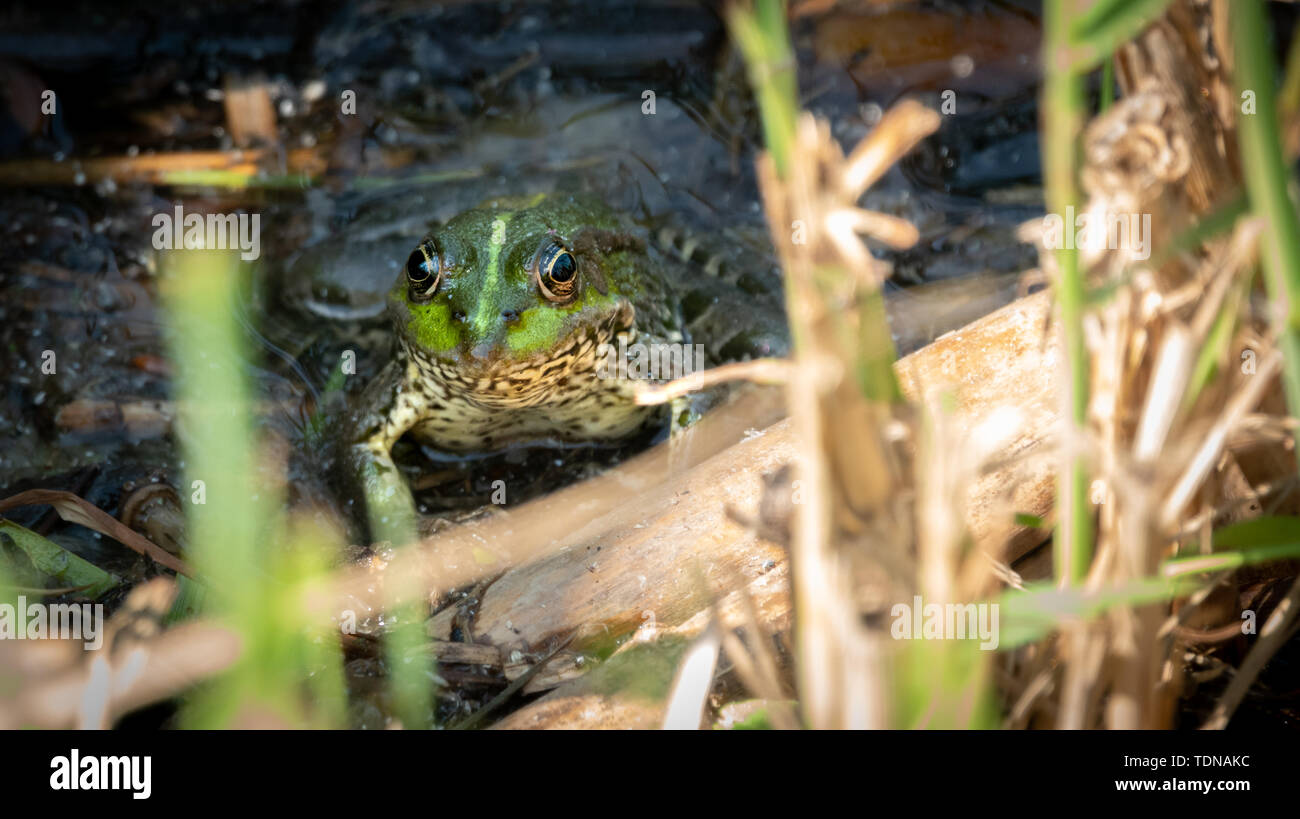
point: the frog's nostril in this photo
(510, 315)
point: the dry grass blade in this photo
(902, 126)
(841, 395)
(1174, 420)
(767, 371)
(140, 663)
(689, 695)
(82, 512)
(147, 169)
(1277, 630)
(1207, 455)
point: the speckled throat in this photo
(555, 396)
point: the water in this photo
(410, 116)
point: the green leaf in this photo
(52, 560)
(1248, 542)
(1215, 223)
(757, 721)
(1107, 25)
(1033, 613)
(1265, 531)
(1215, 349)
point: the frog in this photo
(505, 321)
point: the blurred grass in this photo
(762, 38)
(1267, 178)
(251, 560)
(1094, 30)
(940, 684)
(1063, 119)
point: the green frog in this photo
(506, 319)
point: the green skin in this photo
(489, 360)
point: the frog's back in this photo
(727, 287)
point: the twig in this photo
(1275, 633)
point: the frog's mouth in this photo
(564, 371)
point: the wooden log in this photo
(667, 548)
(668, 567)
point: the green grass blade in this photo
(1105, 26)
(56, 562)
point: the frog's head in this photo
(507, 301)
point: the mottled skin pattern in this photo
(489, 360)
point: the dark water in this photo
(453, 105)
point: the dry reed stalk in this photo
(1169, 414)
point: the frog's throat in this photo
(566, 368)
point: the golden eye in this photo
(556, 270)
(423, 271)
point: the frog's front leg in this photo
(389, 408)
(650, 361)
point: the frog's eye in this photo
(423, 271)
(557, 272)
